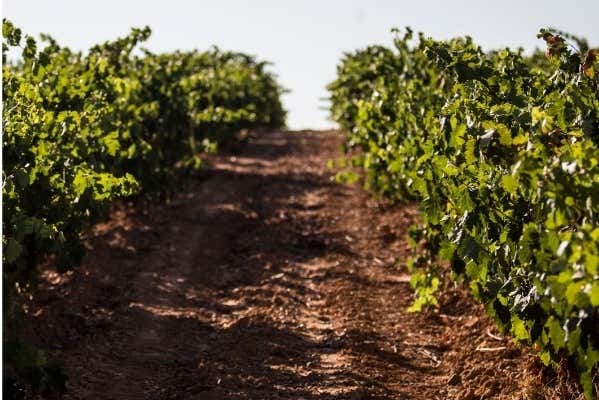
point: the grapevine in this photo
(501, 152)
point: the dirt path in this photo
(264, 280)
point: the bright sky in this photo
(303, 38)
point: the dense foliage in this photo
(80, 130)
(502, 153)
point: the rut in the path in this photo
(262, 280)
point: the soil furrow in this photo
(263, 279)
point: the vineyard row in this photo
(501, 151)
(80, 130)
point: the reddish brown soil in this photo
(265, 279)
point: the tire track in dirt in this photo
(263, 280)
